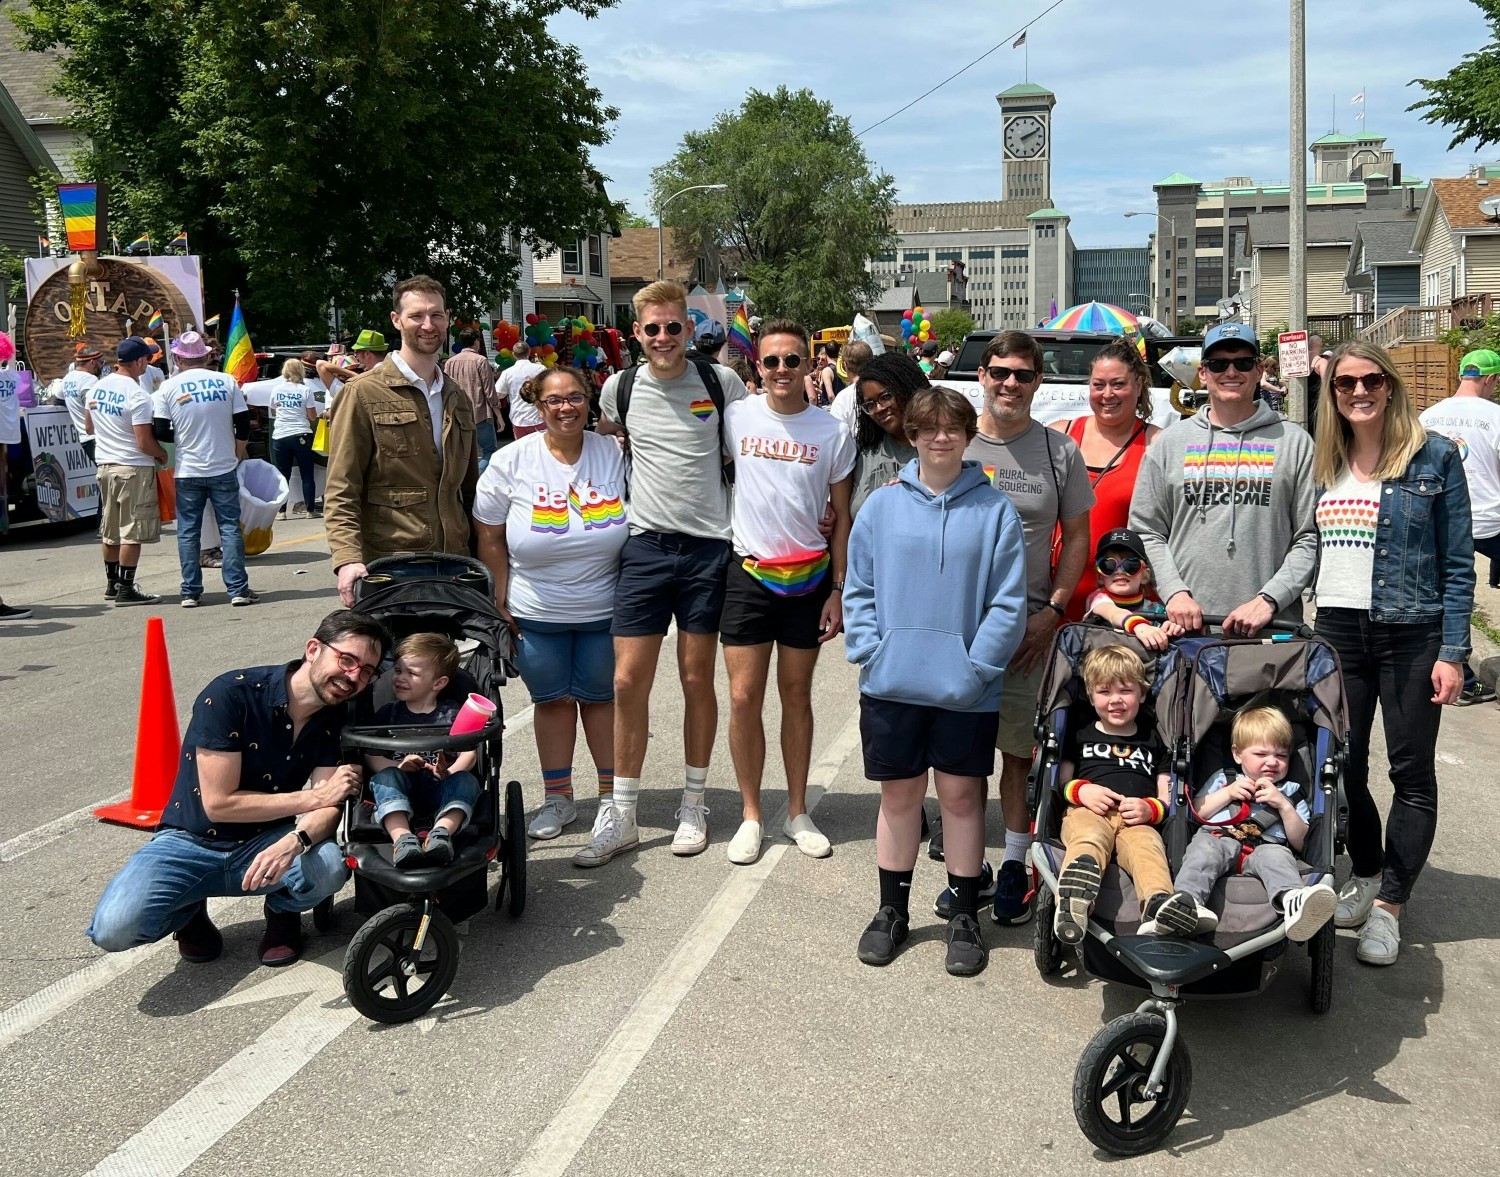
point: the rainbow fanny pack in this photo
(790, 576)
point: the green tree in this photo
(803, 210)
(1468, 99)
(630, 219)
(1190, 326)
(951, 326)
(313, 152)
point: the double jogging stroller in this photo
(404, 957)
(1132, 1082)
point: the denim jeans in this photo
(297, 450)
(1489, 548)
(157, 891)
(489, 442)
(396, 791)
(1389, 665)
(223, 491)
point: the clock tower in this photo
(1026, 143)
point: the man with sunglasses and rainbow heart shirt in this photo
(784, 585)
(1225, 500)
(257, 799)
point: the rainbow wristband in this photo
(1158, 811)
(1134, 622)
(1071, 790)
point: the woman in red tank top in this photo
(1113, 438)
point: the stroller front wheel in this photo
(1046, 947)
(386, 978)
(1109, 1088)
(1320, 951)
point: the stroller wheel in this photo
(513, 862)
(1109, 1100)
(1320, 951)
(388, 982)
(1045, 946)
(323, 915)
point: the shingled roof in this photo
(1460, 201)
(632, 258)
(29, 76)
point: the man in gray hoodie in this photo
(1225, 500)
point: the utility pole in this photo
(1297, 406)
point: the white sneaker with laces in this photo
(1307, 909)
(617, 834)
(692, 831)
(1379, 939)
(1356, 898)
(744, 847)
(557, 813)
(601, 815)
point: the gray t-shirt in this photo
(1034, 470)
(676, 477)
(874, 468)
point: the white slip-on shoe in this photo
(555, 815)
(1307, 909)
(1356, 898)
(692, 831)
(1379, 939)
(744, 847)
(617, 833)
(810, 840)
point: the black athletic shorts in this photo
(754, 615)
(903, 740)
(664, 574)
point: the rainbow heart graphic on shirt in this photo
(702, 409)
(595, 508)
(790, 576)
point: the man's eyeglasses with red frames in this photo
(349, 664)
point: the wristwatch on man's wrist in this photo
(303, 841)
(1269, 600)
(1056, 608)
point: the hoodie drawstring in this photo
(1234, 478)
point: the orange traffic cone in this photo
(158, 742)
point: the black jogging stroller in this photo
(1132, 1082)
(404, 957)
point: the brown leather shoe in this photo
(282, 943)
(198, 941)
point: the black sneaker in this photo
(967, 954)
(13, 613)
(407, 852)
(1077, 888)
(439, 848)
(189, 602)
(1011, 890)
(943, 906)
(112, 590)
(1170, 915)
(1475, 692)
(935, 842)
(130, 594)
(885, 935)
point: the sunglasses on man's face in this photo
(1373, 382)
(1240, 363)
(793, 361)
(652, 330)
(999, 373)
(1129, 565)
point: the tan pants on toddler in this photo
(1138, 848)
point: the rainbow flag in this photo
(739, 333)
(80, 209)
(790, 576)
(211, 322)
(154, 322)
(143, 239)
(180, 239)
(239, 356)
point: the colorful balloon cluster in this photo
(585, 347)
(506, 335)
(539, 340)
(916, 327)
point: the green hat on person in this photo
(369, 341)
(1478, 364)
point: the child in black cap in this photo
(1124, 573)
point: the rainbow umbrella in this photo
(1100, 317)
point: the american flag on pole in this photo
(1019, 41)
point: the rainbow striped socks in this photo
(558, 782)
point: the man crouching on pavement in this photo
(239, 821)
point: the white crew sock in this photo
(696, 783)
(627, 793)
(1016, 846)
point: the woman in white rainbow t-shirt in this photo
(550, 516)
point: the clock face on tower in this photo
(1025, 137)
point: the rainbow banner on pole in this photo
(739, 333)
(83, 215)
(239, 356)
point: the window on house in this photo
(572, 262)
(596, 254)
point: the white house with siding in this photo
(1458, 241)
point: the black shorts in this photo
(662, 575)
(903, 740)
(754, 615)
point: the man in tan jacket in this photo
(403, 458)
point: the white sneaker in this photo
(744, 847)
(557, 812)
(692, 831)
(1208, 920)
(1307, 909)
(1380, 938)
(1356, 898)
(616, 834)
(810, 840)
(601, 815)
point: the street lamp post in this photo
(1171, 224)
(662, 208)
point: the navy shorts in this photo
(665, 575)
(754, 615)
(904, 740)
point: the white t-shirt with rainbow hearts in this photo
(1347, 515)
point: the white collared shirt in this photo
(434, 396)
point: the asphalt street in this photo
(659, 1015)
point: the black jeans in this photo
(285, 451)
(1390, 665)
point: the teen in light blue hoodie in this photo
(934, 608)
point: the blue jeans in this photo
(1490, 548)
(489, 442)
(158, 890)
(297, 450)
(403, 792)
(223, 491)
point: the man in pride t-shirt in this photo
(87, 363)
(205, 412)
(118, 414)
(785, 583)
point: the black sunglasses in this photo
(1241, 364)
(1129, 565)
(654, 329)
(793, 361)
(1373, 382)
(999, 373)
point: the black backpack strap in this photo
(622, 395)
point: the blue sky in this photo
(1191, 88)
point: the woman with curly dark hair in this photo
(884, 389)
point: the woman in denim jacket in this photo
(1395, 588)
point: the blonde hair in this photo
(1402, 435)
(662, 293)
(1261, 725)
(1112, 664)
(436, 648)
(294, 370)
